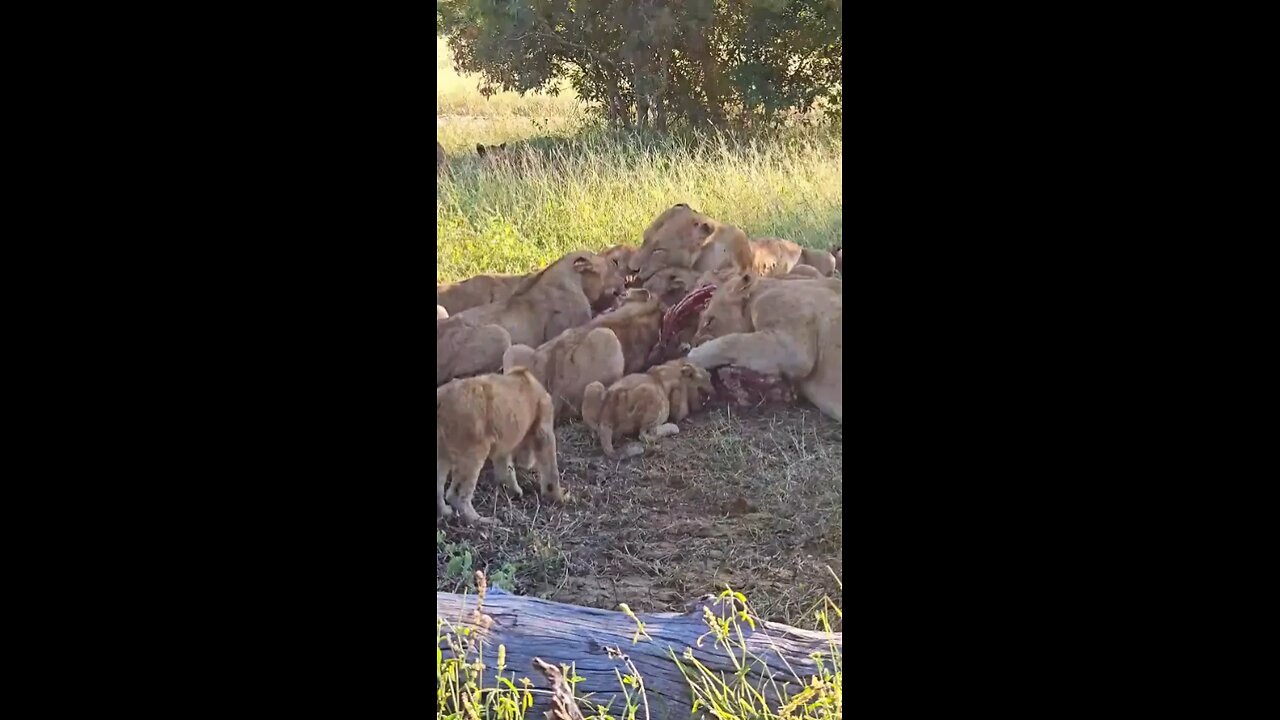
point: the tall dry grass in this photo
(567, 185)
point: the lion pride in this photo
(791, 328)
(563, 295)
(497, 417)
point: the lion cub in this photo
(493, 417)
(643, 403)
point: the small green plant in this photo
(460, 565)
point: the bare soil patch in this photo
(745, 498)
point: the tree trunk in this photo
(599, 640)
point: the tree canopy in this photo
(651, 64)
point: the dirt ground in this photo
(745, 497)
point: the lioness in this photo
(678, 238)
(670, 285)
(492, 417)
(621, 256)
(491, 151)
(562, 296)
(477, 291)
(643, 403)
(799, 272)
(683, 237)
(790, 328)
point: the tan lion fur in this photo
(477, 291)
(720, 277)
(464, 348)
(682, 237)
(562, 296)
(670, 285)
(678, 238)
(637, 323)
(494, 417)
(568, 363)
(790, 328)
(621, 256)
(643, 403)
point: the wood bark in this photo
(595, 642)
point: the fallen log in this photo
(598, 644)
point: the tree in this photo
(650, 64)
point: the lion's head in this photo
(674, 239)
(727, 311)
(669, 285)
(602, 282)
(696, 377)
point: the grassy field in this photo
(750, 499)
(571, 187)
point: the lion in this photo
(643, 403)
(477, 291)
(670, 285)
(464, 348)
(440, 156)
(564, 295)
(678, 238)
(568, 363)
(621, 256)
(683, 237)
(441, 313)
(722, 276)
(606, 348)
(790, 328)
(637, 323)
(493, 417)
(491, 151)
(771, 256)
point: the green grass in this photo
(575, 187)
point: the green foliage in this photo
(459, 566)
(645, 64)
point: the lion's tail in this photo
(592, 405)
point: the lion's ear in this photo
(480, 149)
(703, 229)
(581, 264)
(689, 370)
(503, 146)
(637, 295)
